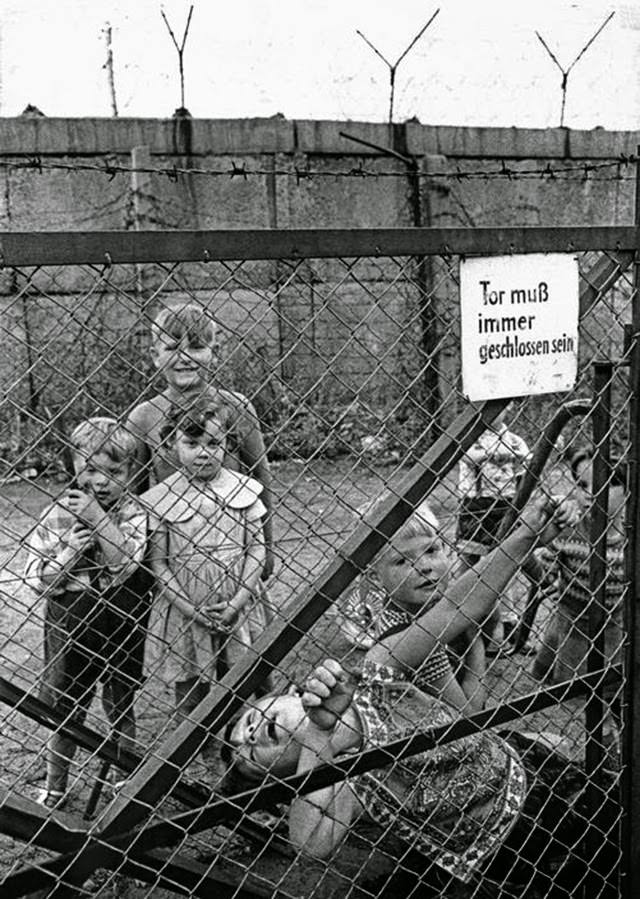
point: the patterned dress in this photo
(455, 803)
(202, 534)
(367, 615)
(568, 630)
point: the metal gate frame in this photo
(122, 841)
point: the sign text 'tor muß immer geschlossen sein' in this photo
(519, 324)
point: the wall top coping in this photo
(41, 136)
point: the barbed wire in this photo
(581, 171)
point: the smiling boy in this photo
(183, 348)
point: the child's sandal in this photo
(117, 785)
(53, 799)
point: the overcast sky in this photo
(479, 63)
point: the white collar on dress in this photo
(174, 497)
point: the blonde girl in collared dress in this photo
(207, 555)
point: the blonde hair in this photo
(184, 320)
(421, 521)
(103, 435)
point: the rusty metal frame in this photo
(19, 248)
(631, 730)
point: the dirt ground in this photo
(315, 513)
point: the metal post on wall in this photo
(595, 794)
(631, 728)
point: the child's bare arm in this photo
(472, 597)
(253, 565)
(473, 673)
(521, 448)
(319, 821)
(139, 480)
(122, 545)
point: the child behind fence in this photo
(183, 347)
(84, 557)
(207, 554)
(406, 579)
(566, 641)
(487, 481)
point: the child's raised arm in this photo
(471, 598)
(473, 673)
(319, 821)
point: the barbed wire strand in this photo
(107, 166)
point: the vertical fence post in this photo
(631, 729)
(595, 706)
(141, 201)
(142, 218)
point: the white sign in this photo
(519, 325)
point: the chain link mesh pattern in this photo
(352, 367)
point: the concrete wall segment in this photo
(45, 136)
(269, 305)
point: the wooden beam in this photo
(176, 873)
(28, 821)
(184, 875)
(106, 247)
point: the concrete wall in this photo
(321, 327)
(76, 199)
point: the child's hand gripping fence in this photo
(332, 353)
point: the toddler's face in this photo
(201, 457)
(101, 476)
(412, 569)
(184, 362)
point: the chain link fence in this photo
(480, 754)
